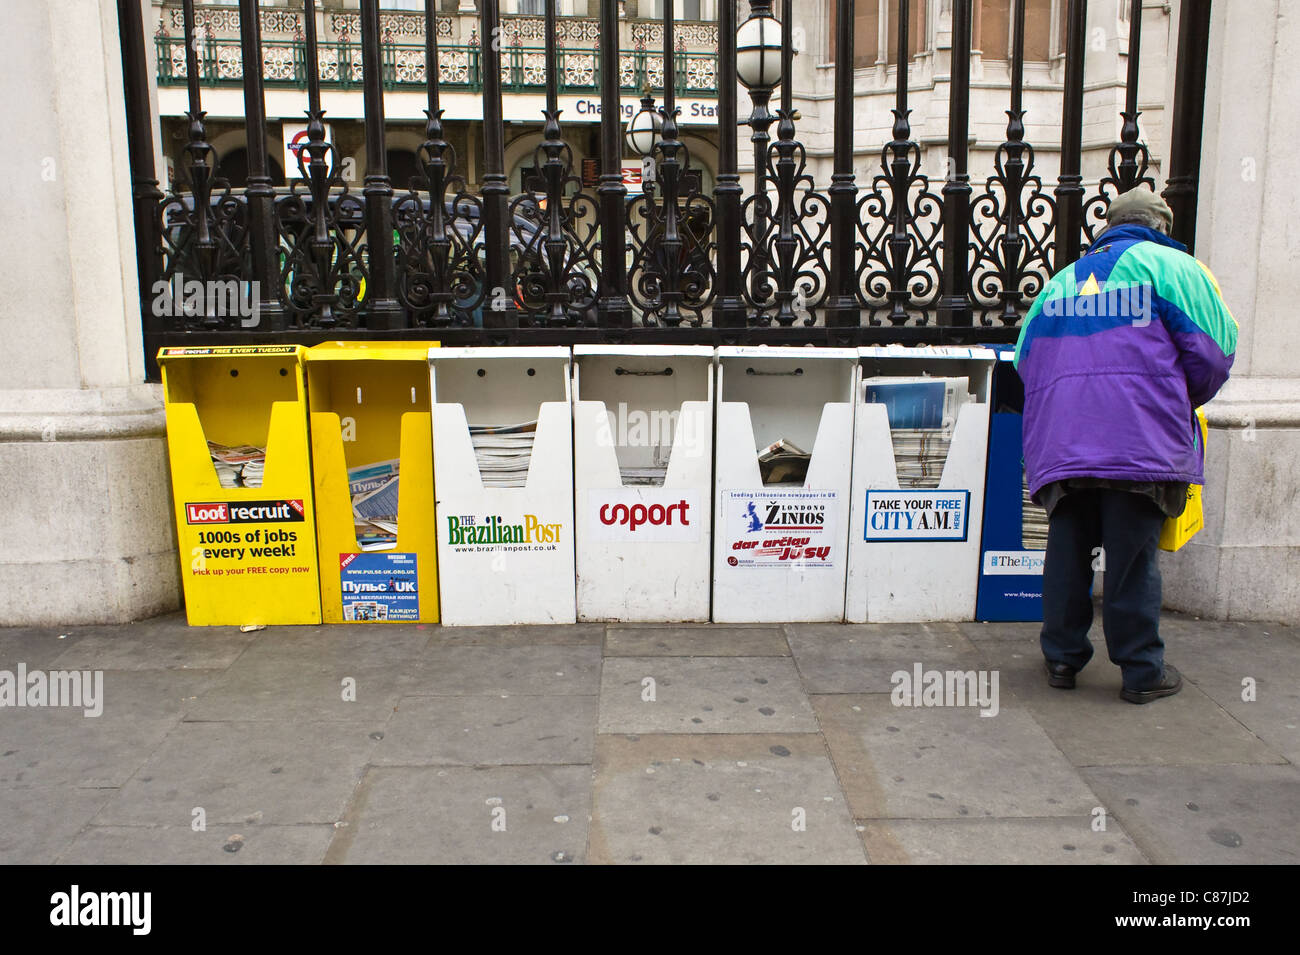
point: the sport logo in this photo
(635, 515)
(644, 515)
(244, 512)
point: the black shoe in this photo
(1170, 683)
(1060, 675)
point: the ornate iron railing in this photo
(523, 69)
(895, 256)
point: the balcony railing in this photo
(523, 69)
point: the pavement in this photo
(646, 744)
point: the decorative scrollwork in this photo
(1127, 165)
(901, 229)
(1012, 222)
(323, 269)
(672, 278)
(439, 226)
(205, 242)
(553, 227)
(787, 245)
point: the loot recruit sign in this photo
(230, 538)
(776, 527)
(917, 515)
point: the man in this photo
(1116, 353)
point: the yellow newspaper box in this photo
(372, 467)
(241, 478)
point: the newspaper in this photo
(503, 452)
(783, 463)
(238, 466)
(922, 414)
(374, 489)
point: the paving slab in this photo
(977, 631)
(343, 644)
(699, 641)
(1094, 727)
(40, 822)
(489, 730)
(511, 671)
(703, 695)
(50, 746)
(217, 845)
(1206, 815)
(245, 774)
(1269, 705)
(947, 762)
(719, 800)
(1052, 841)
(860, 658)
(271, 688)
(501, 815)
(549, 635)
(155, 645)
(37, 647)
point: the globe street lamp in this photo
(758, 67)
(644, 129)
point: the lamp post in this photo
(643, 133)
(758, 67)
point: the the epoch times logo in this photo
(75, 908)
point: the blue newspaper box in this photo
(1015, 529)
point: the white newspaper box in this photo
(643, 456)
(780, 547)
(919, 459)
(503, 484)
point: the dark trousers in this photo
(1126, 526)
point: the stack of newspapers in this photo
(239, 466)
(647, 475)
(644, 477)
(374, 504)
(503, 452)
(783, 464)
(1033, 519)
(922, 414)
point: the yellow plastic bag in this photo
(1179, 530)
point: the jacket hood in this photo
(1131, 230)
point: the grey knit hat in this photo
(1143, 201)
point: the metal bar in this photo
(729, 312)
(669, 175)
(313, 63)
(842, 307)
(1069, 189)
(955, 306)
(613, 308)
(1134, 55)
(1189, 112)
(191, 56)
(499, 306)
(382, 308)
(145, 194)
(760, 121)
(259, 194)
